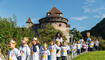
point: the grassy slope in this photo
(96, 55)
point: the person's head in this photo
(45, 46)
(84, 42)
(51, 42)
(34, 41)
(64, 43)
(25, 40)
(12, 44)
(57, 43)
(58, 34)
(38, 42)
(78, 42)
(81, 37)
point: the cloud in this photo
(86, 9)
(34, 19)
(87, 4)
(82, 28)
(100, 16)
(103, 16)
(79, 18)
(90, 6)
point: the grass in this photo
(96, 55)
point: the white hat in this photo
(34, 38)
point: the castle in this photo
(54, 18)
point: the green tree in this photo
(8, 29)
(48, 33)
(76, 34)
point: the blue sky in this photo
(82, 14)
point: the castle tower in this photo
(54, 18)
(29, 23)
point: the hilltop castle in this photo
(54, 18)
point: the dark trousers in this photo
(96, 47)
(58, 58)
(78, 51)
(64, 57)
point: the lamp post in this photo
(71, 42)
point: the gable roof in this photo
(54, 10)
(29, 20)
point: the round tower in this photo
(54, 18)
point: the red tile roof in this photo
(29, 20)
(54, 10)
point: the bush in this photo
(48, 33)
(101, 42)
(8, 29)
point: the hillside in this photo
(98, 30)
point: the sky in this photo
(82, 14)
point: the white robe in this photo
(25, 52)
(58, 54)
(44, 54)
(64, 50)
(13, 54)
(52, 50)
(34, 55)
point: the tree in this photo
(48, 33)
(76, 34)
(8, 30)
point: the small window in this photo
(60, 25)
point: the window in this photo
(60, 25)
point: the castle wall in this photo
(62, 27)
(28, 25)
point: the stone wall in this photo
(62, 27)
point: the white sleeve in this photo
(37, 48)
(17, 52)
(48, 52)
(28, 51)
(61, 40)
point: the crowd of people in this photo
(84, 46)
(57, 49)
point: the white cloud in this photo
(103, 16)
(87, 4)
(79, 18)
(88, 7)
(100, 16)
(34, 19)
(82, 28)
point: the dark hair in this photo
(59, 34)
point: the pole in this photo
(71, 36)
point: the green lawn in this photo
(96, 55)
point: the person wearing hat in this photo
(14, 53)
(24, 49)
(34, 50)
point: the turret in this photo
(29, 23)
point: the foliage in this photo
(96, 55)
(76, 34)
(48, 33)
(8, 29)
(101, 42)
